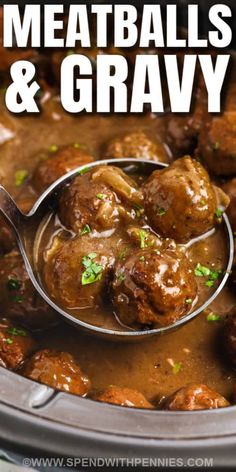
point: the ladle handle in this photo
(10, 210)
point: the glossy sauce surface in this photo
(149, 366)
(200, 250)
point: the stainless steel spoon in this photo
(26, 226)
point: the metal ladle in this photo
(26, 226)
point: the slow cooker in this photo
(36, 421)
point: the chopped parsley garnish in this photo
(214, 275)
(213, 317)
(203, 202)
(85, 230)
(219, 213)
(53, 148)
(122, 254)
(189, 301)
(202, 271)
(177, 367)
(20, 177)
(120, 276)
(13, 284)
(83, 171)
(93, 271)
(138, 210)
(161, 211)
(209, 283)
(9, 341)
(142, 258)
(143, 236)
(17, 332)
(101, 196)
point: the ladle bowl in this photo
(26, 227)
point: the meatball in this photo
(16, 344)
(123, 397)
(153, 287)
(7, 238)
(96, 199)
(66, 159)
(183, 130)
(138, 145)
(230, 190)
(77, 271)
(217, 146)
(18, 297)
(180, 201)
(195, 397)
(229, 336)
(59, 370)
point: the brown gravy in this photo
(202, 250)
(146, 366)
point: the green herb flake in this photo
(85, 230)
(17, 332)
(203, 202)
(83, 171)
(77, 145)
(189, 301)
(161, 211)
(8, 341)
(20, 177)
(202, 271)
(177, 367)
(13, 284)
(120, 276)
(122, 254)
(138, 210)
(142, 258)
(101, 196)
(219, 213)
(212, 317)
(93, 271)
(92, 255)
(53, 148)
(209, 283)
(213, 275)
(143, 236)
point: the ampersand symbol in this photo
(20, 94)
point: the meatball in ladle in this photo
(153, 287)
